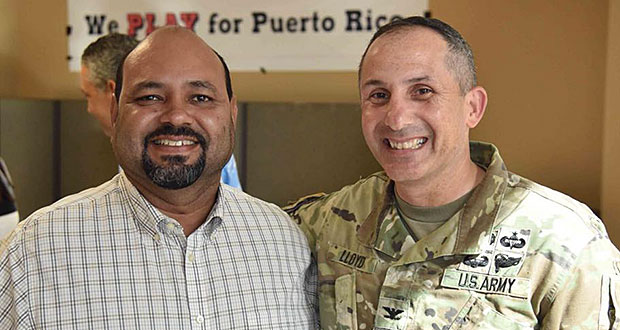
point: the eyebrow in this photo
(149, 84)
(377, 82)
(417, 79)
(202, 84)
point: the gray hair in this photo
(103, 56)
(460, 58)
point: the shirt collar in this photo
(462, 234)
(154, 222)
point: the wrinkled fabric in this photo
(517, 256)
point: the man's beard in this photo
(174, 173)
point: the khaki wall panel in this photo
(298, 149)
(86, 157)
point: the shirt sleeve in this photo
(15, 311)
(311, 288)
(587, 295)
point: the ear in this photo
(476, 104)
(110, 86)
(233, 110)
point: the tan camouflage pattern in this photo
(517, 256)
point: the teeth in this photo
(411, 144)
(174, 143)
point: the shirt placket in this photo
(193, 253)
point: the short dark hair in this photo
(119, 77)
(460, 58)
(103, 56)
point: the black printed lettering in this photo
(360, 262)
(511, 281)
(473, 281)
(501, 287)
(95, 24)
(485, 284)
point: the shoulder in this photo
(357, 195)
(254, 210)
(556, 218)
(73, 208)
(238, 200)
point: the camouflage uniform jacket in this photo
(517, 256)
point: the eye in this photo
(148, 99)
(379, 97)
(422, 93)
(200, 98)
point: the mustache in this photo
(178, 131)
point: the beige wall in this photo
(610, 202)
(543, 63)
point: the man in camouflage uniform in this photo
(446, 237)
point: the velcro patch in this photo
(510, 286)
(353, 259)
(392, 314)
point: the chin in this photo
(410, 174)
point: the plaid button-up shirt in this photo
(108, 259)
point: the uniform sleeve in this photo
(15, 311)
(588, 295)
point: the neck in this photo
(190, 206)
(441, 189)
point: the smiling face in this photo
(175, 123)
(415, 119)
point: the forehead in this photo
(405, 50)
(172, 57)
(85, 78)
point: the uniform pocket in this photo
(346, 311)
(479, 315)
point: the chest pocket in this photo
(479, 315)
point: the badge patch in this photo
(510, 286)
(353, 259)
(502, 254)
(392, 314)
(512, 240)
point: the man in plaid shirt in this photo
(163, 244)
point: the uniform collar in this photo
(462, 234)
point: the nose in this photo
(399, 113)
(177, 112)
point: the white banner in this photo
(282, 35)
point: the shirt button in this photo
(170, 226)
(200, 319)
(190, 257)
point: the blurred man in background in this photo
(99, 63)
